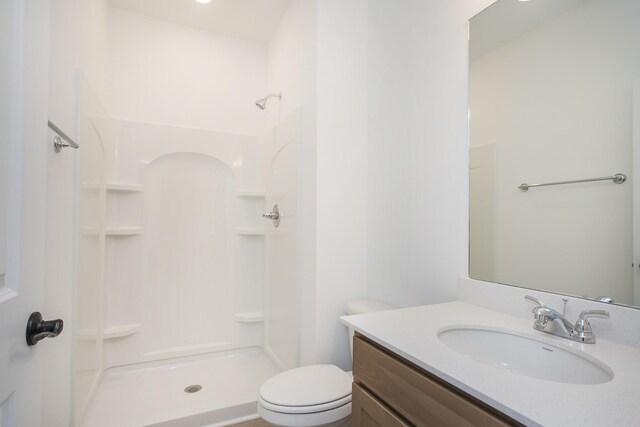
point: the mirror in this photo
(555, 97)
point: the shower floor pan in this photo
(165, 394)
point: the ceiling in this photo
(507, 20)
(253, 20)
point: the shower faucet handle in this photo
(271, 215)
(274, 216)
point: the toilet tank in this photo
(364, 306)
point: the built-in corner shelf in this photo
(249, 317)
(249, 231)
(250, 193)
(111, 332)
(123, 231)
(121, 331)
(114, 187)
(113, 231)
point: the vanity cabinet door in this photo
(419, 397)
(369, 412)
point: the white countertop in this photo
(413, 334)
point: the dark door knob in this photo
(38, 329)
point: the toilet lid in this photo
(308, 386)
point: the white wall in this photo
(92, 22)
(557, 102)
(342, 162)
(418, 149)
(291, 69)
(161, 72)
(291, 65)
(318, 59)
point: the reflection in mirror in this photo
(555, 96)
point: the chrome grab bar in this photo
(62, 140)
(618, 178)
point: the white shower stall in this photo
(187, 298)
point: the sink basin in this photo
(525, 356)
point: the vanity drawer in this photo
(416, 395)
(369, 412)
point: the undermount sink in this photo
(525, 356)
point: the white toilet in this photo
(316, 395)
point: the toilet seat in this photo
(287, 409)
(307, 396)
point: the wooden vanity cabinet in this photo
(369, 411)
(389, 391)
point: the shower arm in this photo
(273, 95)
(262, 103)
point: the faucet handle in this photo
(604, 314)
(582, 330)
(541, 316)
(540, 312)
(535, 300)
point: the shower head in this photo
(262, 102)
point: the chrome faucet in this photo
(544, 320)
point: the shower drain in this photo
(194, 388)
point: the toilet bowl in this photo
(315, 395)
